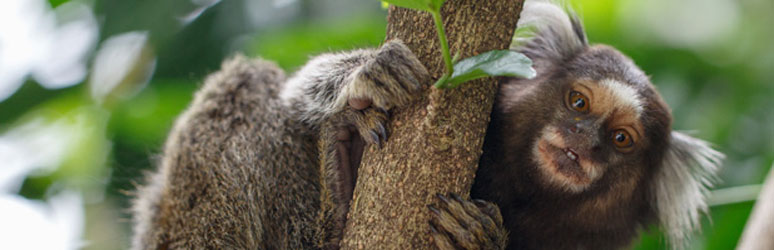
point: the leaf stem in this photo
(444, 48)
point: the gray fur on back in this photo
(224, 164)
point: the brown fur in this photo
(555, 173)
(222, 170)
(540, 215)
(607, 214)
(241, 168)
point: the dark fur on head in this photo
(662, 178)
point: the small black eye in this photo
(578, 102)
(622, 139)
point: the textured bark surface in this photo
(759, 232)
(435, 143)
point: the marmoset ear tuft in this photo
(682, 184)
(547, 30)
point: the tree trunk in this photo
(435, 144)
(759, 232)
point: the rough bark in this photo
(435, 144)
(759, 232)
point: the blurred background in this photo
(90, 88)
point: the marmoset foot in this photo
(465, 224)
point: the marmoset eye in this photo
(622, 138)
(578, 102)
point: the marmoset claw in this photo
(463, 224)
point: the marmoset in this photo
(240, 169)
(580, 157)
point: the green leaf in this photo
(436, 4)
(492, 63)
(424, 5)
(56, 3)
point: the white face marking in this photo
(624, 95)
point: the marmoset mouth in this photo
(562, 165)
(571, 154)
(563, 161)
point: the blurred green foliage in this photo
(724, 92)
(293, 45)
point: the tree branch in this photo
(435, 144)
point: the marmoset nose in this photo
(575, 128)
(582, 126)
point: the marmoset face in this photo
(586, 146)
(603, 122)
(597, 125)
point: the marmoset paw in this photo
(464, 224)
(370, 124)
(392, 78)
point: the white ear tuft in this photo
(548, 30)
(681, 186)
